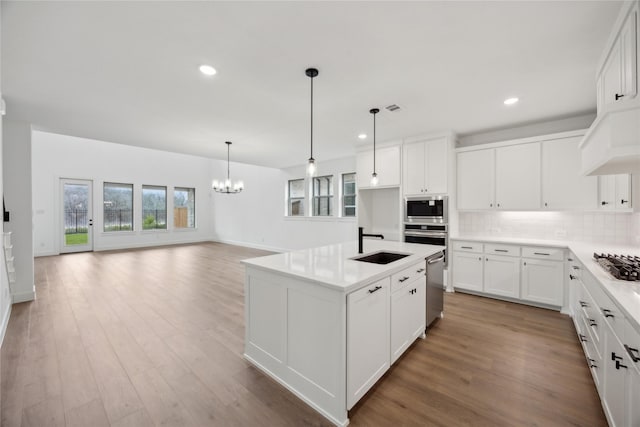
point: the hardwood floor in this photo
(155, 337)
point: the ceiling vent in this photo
(392, 107)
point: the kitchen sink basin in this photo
(381, 257)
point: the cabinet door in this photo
(408, 315)
(414, 168)
(518, 176)
(611, 76)
(437, 166)
(622, 198)
(476, 173)
(606, 192)
(628, 54)
(563, 186)
(542, 281)
(633, 397)
(502, 275)
(364, 168)
(467, 271)
(367, 338)
(614, 379)
(388, 166)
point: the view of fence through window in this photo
(154, 207)
(118, 207)
(184, 207)
(76, 215)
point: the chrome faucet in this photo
(361, 234)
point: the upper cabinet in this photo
(614, 192)
(425, 166)
(518, 177)
(387, 167)
(529, 174)
(563, 187)
(618, 80)
(612, 144)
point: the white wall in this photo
(256, 217)
(17, 193)
(59, 156)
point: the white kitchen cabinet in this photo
(476, 179)
(633, 391)
(616, 367)
(425, 167)
(387, 167)
(617, 82)
(368, 330)
(502, 275)
(467, 271)
(518, 177)
(563, 186)
(614, 192)
(408, 315)
(542, 281)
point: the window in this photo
(154, 207)
(348, 194)
(184, 207)
(296, 197)
(118, 207)
(322, 195)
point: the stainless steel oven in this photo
(426, 209)
(428, 234)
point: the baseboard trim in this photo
(149, 244)
(250, 245)
(5, 324)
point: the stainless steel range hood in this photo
(612, 144)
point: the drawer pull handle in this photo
(623, 201)
(570, 259)
(541, 253)
(619, 95)
(607, 312)
(501, 250)
(575, 267)
(572, 277)
(592, 322)
(413, 291)
(466, 247)
(583, 304)
(631, 352)
(377, 288)
(403, 279)
(582, 338)
(592, 363)
(420, 271)
(620, 365)
(614, 357)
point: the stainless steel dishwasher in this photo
(435, 288)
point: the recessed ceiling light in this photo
(510, 101)
(362, 136)
(207, 70)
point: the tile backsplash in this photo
(605, 227)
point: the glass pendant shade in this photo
(227, 186)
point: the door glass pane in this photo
(76, 218)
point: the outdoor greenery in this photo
(76, 239)
(149, 223)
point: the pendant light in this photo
(311, 165)
(374, 175)
(227, 186)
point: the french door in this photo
(77, 215)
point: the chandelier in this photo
(227, 186)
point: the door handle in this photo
(91, 222)
(433, 261)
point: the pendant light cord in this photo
(312, 117)
(374, 143)
(228, 146)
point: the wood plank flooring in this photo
(155, 337)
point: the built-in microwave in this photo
(426, 209)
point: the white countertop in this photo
(626, 294)
(332, 266)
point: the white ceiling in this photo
(127, 72)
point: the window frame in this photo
(292, 199)
(345, 195)
(315, 199)
(142, 210)
(193, 221)
(105, 184)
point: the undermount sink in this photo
(381, 257)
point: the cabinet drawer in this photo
(543, 253)
(468, 246)
(509, 250)
(376, 287)
(575, 267)
(408, 275)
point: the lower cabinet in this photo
(468, 268)
(616, 376)
(541, 281)
(368, 338)
(502, 275)
(408, 315)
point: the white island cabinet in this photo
(320, 323)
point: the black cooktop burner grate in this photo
(622, 267)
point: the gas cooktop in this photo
(622, 267)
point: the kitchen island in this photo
(327, 326)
